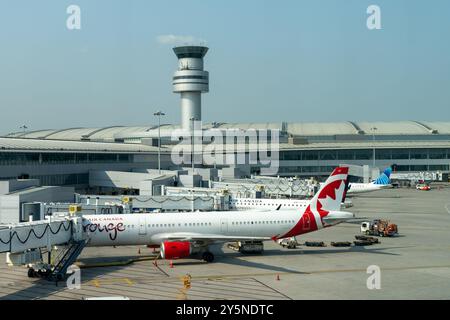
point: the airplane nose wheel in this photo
(208, 257)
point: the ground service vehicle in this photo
(423, 187)
(378, 227)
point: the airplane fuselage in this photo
(366, 187)
(152, 229)
(267, 204)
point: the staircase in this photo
(65, 259)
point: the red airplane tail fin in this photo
(326, 200)
(332, 192)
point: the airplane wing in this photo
(200, 237)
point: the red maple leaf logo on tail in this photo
(329, 196)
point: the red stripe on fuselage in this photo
(307, 223)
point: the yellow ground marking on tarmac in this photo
(98, 282)
(183, 294)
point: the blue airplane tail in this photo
(384, 179)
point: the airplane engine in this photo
(175, 250)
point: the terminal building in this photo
(64, 157)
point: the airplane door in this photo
(224, 226)
(142, 226)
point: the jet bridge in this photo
(24, 243)
(25, 236)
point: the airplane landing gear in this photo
(208, 257)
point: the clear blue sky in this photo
(269, 61)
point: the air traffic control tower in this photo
(190, 81)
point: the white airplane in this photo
(244, 204)
(181, 235)
(267, 204)
(382, 182)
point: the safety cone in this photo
(278, 277)
(171, 263)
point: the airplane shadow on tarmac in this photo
(234, 258)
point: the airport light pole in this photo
(159, 114)
(373, 140)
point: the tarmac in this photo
(413, 265)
